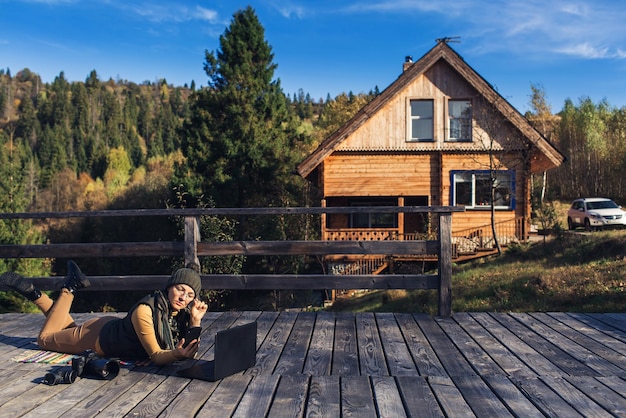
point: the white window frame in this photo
(471, 189)
(421, 119)
(459, 124)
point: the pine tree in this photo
(13, 199)
(241, 133)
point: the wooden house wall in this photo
(381, 175)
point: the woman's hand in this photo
(197, 311)
(187, 352)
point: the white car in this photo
(594, 213)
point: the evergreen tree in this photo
(241, 133)
(80, 128)
(27, 125)
(14, 199)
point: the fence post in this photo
(445, 264)
(192, 236)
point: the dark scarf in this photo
(168, 327)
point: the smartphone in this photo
(192, 334)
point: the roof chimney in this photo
(408, 61)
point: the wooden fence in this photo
(192, 247)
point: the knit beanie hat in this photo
(186, 276)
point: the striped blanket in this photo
(42, 356)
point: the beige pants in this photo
(60, 333)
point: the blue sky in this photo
(573, 48)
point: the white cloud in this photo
(584, 50)
(168, 12)
(290, 10)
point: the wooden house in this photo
(438, 135)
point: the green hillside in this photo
(571, 272)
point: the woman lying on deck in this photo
(153, 329)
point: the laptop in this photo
(235, 351)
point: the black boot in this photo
(75, 278)
(20, 284)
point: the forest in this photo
(116, 144)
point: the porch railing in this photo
(479, 238)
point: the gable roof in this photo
(545, 157)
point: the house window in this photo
(421, 128)
(373, 219)
(472, 189)
(459, 120)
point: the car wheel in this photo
(588, 226)
(570, 224)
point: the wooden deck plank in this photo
(257, 399)
(479, 397)
(355, 364)
(602, 394)
(64, 401)
(453, 361)
(566, 341)
(449, 397)
(577, 399)
(356, 397)
(550, 402)
(290, 397)
(399, 360)
(493, 347)
(615, 321)
(512, 397)
(424, 356)
(479, 360)
(270, 351)
(107, 395)
(345, 351)
(190, 400)
(225, 397)
(387, 396)
(372, 360)
(157, 400)
(597, 356)
(531, 358)
(27, 397)
(547, 347)
(595, 333)
(320, 353)
(295, 351)
(324, 397)
(418, 398)
(607, 326)
(128, 400)
(615, 383)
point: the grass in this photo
(571, 272)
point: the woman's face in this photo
(180, 295)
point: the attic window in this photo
(421, 120)
(459, 120)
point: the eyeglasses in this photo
(180, 289)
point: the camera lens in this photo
(66, 376)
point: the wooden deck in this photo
(365, 364)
